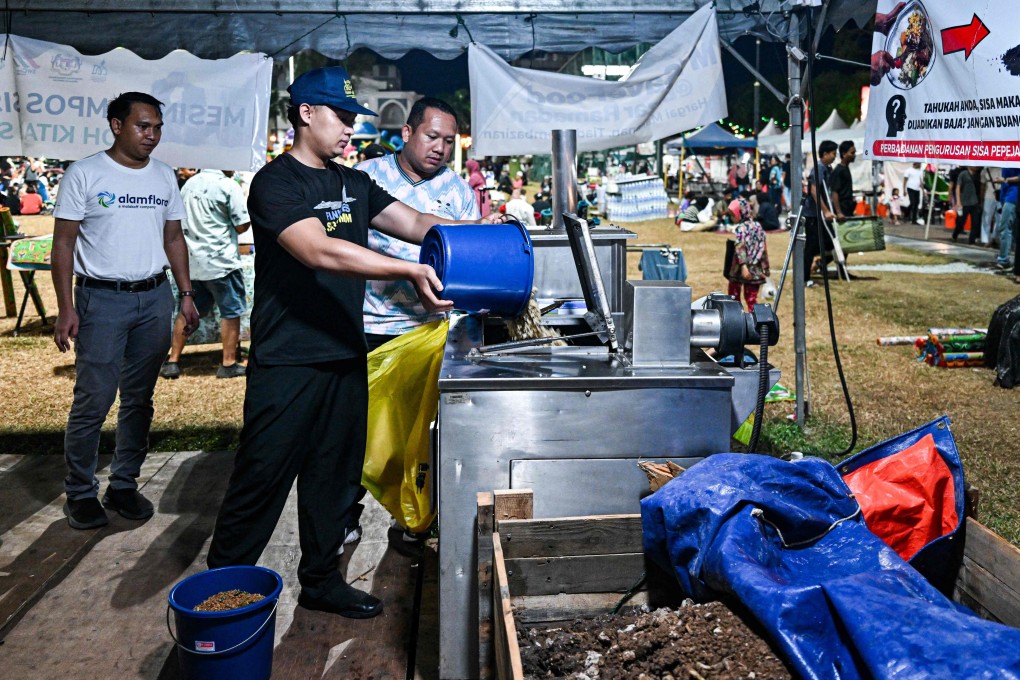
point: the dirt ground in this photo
(695, 641)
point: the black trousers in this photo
(915, 203)
(303, 422)
(974, 212)
(812, 246)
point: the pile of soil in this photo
(695, 641)
(228, 599)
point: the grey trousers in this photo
(123, 339)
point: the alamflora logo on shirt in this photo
(108, 199)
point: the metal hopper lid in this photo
(599, 315)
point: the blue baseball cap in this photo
(330, 86)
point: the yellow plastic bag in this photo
(403, 399)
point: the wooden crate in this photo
(549, 570)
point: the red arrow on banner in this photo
(965, 37)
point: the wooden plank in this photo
(593, 535)
(982, 592)
(322, 645)
(566, 607)
(106, 614)
(576, 574)
(314, 644)
(37, 548)
(513, 504)
(484, 524)
(7, 284)
(989, 579)
(508, 655)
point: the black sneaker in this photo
(85, 513)
(231, 371)
(344, 600)
(128, 503)
(170, 370)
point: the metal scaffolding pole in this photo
(796, 107)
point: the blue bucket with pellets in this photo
(236, 643)
(484, 267)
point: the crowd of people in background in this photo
(980, 201)
(983, 197)
(29, 185)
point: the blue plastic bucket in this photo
(237, 643)
(483, 267)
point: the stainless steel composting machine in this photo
(572, 422)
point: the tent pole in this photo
(754, 124)
(796, 184)
(680, 175)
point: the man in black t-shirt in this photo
(841, 184)
(305, 408)
(818, 179)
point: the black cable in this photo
(302, 37)
(412, 641)
(630, 593)
(763, 387)
(820, 228)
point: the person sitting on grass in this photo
(698, 216)
(767, 215)
(31, 201)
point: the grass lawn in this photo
(890, 390)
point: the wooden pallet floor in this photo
(93, 603)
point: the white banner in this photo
(945, 83)
(677, 86)
(53, 103)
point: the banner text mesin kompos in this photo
(180, 113)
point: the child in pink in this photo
(895, 207)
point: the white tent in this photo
(770, 129)
(833, 122)
(860, 171)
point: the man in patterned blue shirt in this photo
(417, 176)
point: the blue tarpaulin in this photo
(789, 541)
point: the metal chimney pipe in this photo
(564, 180)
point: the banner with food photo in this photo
(945, 83)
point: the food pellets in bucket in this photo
(231, 643)
(483, 267)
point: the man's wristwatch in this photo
(186, 293)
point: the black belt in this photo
(123, 286)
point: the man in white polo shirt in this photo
(117, 229)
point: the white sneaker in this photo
(352, 536)
(406, 535)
